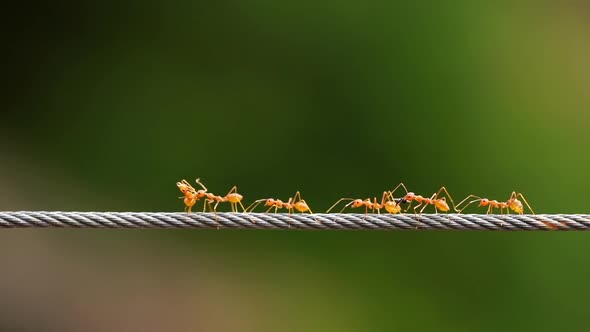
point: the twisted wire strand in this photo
(333, 221)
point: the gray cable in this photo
(334, 221)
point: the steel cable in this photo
(332, 221)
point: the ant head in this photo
(516, 206)
(484, 202)
(409, 197)
(269, 202)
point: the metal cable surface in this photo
(333, 221)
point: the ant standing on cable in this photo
(291, 205)
(190, 195)
(512, 203)
(294, 203)
(390, 204)
(438, 203)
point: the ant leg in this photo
(200, 184)
(242, 205)
(409, 206)
(448, 195)
(215, 212)
(340, 200)
(379, 206)
(417, 215)
(290, 210)
(216, 204)
(311, 213)
(525, 202)
(417, 206)
(426, 205)
(422, 209)
(297, 194)
(396, 188)
(234, 189)
(464, 199)
(185, 182)
(387, 197)
(473, 201)
(255, 204)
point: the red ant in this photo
(232, 197)
(513, 203)
(190, 195)
(439, 203)
(392, 206)
(272, 203)
(291, 205)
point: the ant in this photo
(513, 203)
(232, 197)
(392, 206)
(272, 203)
(300, 205)
(439, 203)
(291, 205)
(294, 203)
(190, 195)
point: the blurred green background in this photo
(107, 104)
